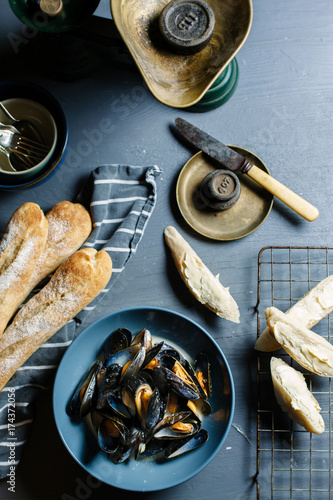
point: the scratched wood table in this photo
(282, 112)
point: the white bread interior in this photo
(294, 397)
(309, 349)
(201, 282)
(307, 312)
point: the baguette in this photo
(69, 225)
(73, 286)
(205, 287)
(307, 312)
(20, 248)
(309, 349)
(294, 397)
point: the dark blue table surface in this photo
(281, 111)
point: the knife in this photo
(235, 162)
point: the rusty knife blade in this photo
(215, 149)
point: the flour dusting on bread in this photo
(72, 287)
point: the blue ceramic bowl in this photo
(15, 89)
(143, 475)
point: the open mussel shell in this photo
(144, 338)
(82, 399)
(152, 358)
(118, 340)
(178, 447)
(177, 384)
(115, 405)
(108, 384)
(202, 373)
(153, 448)
(200, 407)
(155, 410)
(123, 356)
(185, 427)
(133, 366)
(110, 433)
(168, 421)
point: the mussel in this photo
(144, 399)
(84, 395)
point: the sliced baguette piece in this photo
(201, 282)
(294, 397)
(309, 349)
(23, 242)
(72, 287)
(308, 311)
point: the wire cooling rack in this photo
(291, 462)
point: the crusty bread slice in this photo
(308, 311)
(72, 287)
(201, 282)
(69, 225)
(20, 248)
(309, 349)
(294, 397)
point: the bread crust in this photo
(73, 286)
(69, 226)
(201, 282)
(309, 349)
(307, 312)
(294, 397)
(20, 248)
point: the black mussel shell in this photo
(156, 409)
(152, 356)
(169, 420)
(117, 341)
(122, 357)
(87, 381)
(177, 384)
(115, 405)
(202, 373)
(154, 447)
(110, 433)
(177, 430)
(181, 446)
(143, 338)
(134, 366)
(108, 384)
(200, 407)
(121, 454)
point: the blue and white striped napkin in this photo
(122, 199)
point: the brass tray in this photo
(243, 218)
(180, 80)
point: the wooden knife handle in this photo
(291, 199)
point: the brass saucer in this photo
(249, 212)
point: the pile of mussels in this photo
(144, 399)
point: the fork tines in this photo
(31, 148)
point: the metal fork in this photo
(11, 139)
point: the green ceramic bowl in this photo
(43, 121)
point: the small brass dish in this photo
(174, 79)
(244, 217)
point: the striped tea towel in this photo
(122, 199)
